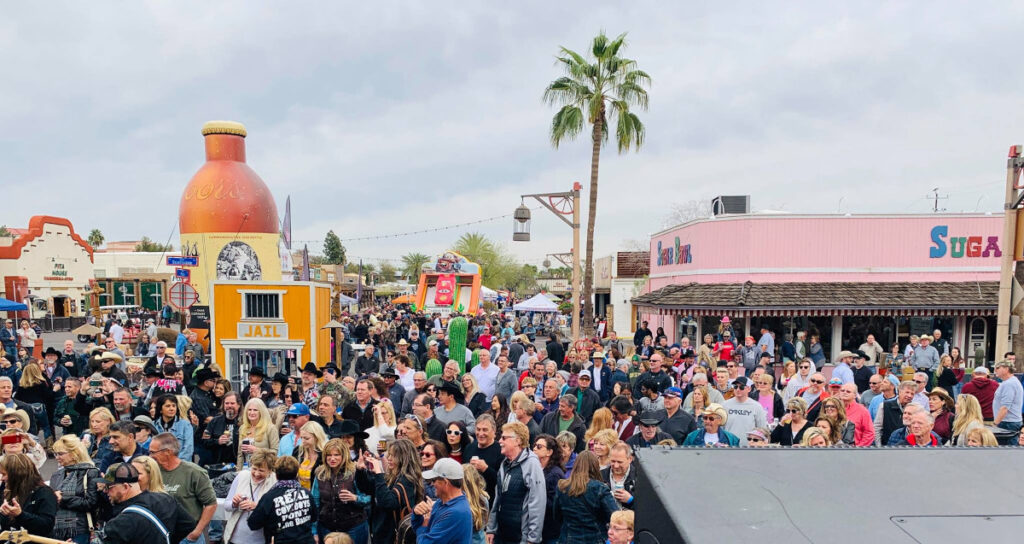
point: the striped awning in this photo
(812, 312)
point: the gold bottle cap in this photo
(224, 127)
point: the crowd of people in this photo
(529, 441)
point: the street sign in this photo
(183, 274)
(182, 261)
(183, 295)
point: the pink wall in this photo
(800, 248)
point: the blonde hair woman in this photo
(968, 417)
(842, 428)
(514, 401)
(150, 477)
(337, 486)
(98, 435)
(74, 484)
(310, 452)
(384, 425)
(814, 437)
(475, 488)
(602, 420)
(602, 444)
(981, 437)
(245, 493)
(257, 430)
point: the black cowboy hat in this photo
(257, 371)
(333, 367)
(153, 371)
(51, 350)
(281, 378)
(312, 368)
(350, 428)
(452, 389)
(204, 374)
(389, 372)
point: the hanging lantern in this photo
(521, 224)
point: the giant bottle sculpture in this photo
(227, 216)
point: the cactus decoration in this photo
(458, 328)
(474, 361)
(433, 368)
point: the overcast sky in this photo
(383, 117)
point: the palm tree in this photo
(476, 247)
(95, 238)
(411, 265)
(603, 86)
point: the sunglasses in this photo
(426, 454)
(415, 420)
(755, 440)
(805, 367)
(710, 418)
(454, 432)
(793, 411)
(817, 381)
(10, 421)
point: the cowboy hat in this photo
(312, 369)
(111, 356)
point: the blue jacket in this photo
(606, 382)
(696, 438)
(182, 430)
(584, 518)
(450, 523)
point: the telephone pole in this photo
(937, 198)
(1011, 254)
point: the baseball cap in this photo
(835, 381)
(742, 380)
(674, 392)
(446, 468)
(298, 409)
(125, 473)
(585, 374)
(980, 370)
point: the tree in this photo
(605, 86)
(498, 269)
(388, 272)
(684, 212)
(411, 265)
(334, 252)
(4, 231)
(149, 246)
(95, 238)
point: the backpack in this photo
(405, 533)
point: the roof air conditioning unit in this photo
(721, 205)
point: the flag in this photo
(359, 283)
(286, 226)
(305, 264)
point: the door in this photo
(977, 338)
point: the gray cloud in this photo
(397, 117)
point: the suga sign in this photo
(959, 247)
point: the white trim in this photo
(262, 291)
(247, 343)
(823, 270)
(783, 216)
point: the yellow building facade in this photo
(276, 326)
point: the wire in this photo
(412, 233)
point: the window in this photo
(262, 306)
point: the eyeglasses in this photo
(426, 454)
(730, 366)
(918, 381)
(503, 437)
(11, 421)
(754, 440)
(454, 432)
(793, 411)
(154, 452)
(710, 418)
(817, 381)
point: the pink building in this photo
(838, 276)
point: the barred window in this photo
(262, 306)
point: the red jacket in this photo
(863, 427)
(984, 389)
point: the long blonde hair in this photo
(347, 467)
(385, 406)
(319, 438)
(31, 375)
(261, 426)
(476, 494)
(70, 443)
(602, 420)
(156, 479)
(968, 410)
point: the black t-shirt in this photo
(286, 514)
(131, 527)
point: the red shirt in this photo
(727, 349)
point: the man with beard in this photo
(221, 434)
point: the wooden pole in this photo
(1007, 262)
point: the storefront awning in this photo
(820, 299)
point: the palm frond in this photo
(616, 44)
(600, 45)
(567, 123)
(565, 90)
(629, 131)
(632, 94)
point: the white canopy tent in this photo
(488, 294)
(538, 303)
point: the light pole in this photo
(1011, 253)
(560, 204)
